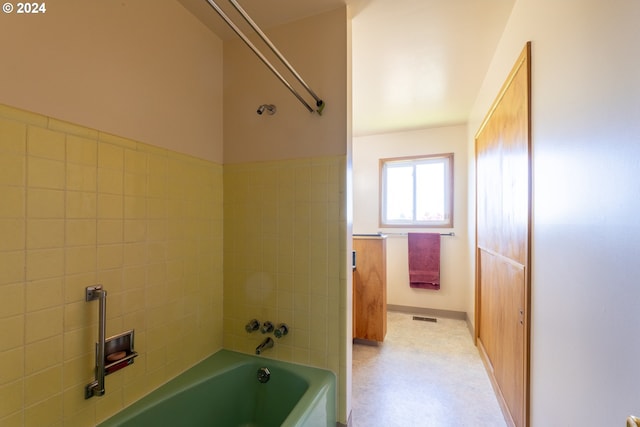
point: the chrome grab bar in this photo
(96, 387)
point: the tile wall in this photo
(80, 207)
(284, 256)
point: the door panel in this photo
(503, 203)
(502, 333)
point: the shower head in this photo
(269, 108)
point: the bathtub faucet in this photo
(267, 343)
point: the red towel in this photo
(424, 260)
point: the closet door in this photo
(503, 217)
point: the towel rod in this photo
(319, 103)
(451, 233)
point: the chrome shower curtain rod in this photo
(319, 102)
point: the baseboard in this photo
(348, 424)
(433, 312)
(366, 342)
(472, 330)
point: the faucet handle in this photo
(267, 327)
(253, 325)
(281, 330)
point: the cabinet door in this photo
(370, 289)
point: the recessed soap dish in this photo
(119, 352)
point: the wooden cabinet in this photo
(370, 287)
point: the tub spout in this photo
(267, 343)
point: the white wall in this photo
(585, 348)
(293, 132)
(144, 70)
(367, 150)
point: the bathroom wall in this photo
(586, 198)
(124, 68)
(145, 69)
(285, 232)
(82, 207)
(367, 151)
(283, 256)
(316, 48)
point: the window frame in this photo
(447, 159)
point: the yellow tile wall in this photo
(285, 257)
(80, 207)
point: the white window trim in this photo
(448, 191)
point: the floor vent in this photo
(425, 319)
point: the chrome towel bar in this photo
(452, 234)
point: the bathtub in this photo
(223, 390)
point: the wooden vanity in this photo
(370, 287)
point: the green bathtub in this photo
(223, 391)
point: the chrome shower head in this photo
(269, 108)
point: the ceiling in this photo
(416, 63)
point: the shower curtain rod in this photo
(319, 102)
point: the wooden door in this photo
(503, 217)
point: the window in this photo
(417, 191)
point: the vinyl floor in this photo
(424, 374)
